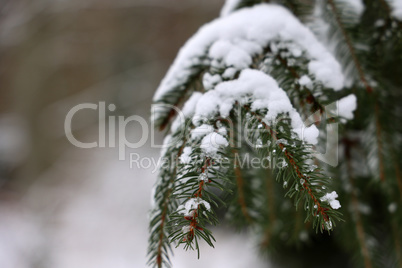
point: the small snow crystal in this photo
(192, 204)
(331, 199)
(229, 73)
(305, 81)
(209, 81)
(212, 142)
(185, 157)
(186, 229)
(328, 224)
(203, 177)
(346, 106)
(357, 5)
(223, 131)
(201, 131)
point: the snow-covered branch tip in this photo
(217, 77)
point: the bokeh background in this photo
(66, 207)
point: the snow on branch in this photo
(221, 75)
(263, 92)
(233, 40)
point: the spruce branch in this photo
(308, 183)
(305, 95)
(355, 205)
(240, 187)
(350, 46)
(388, 9)
(160, 215)
(237, 81)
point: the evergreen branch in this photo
(157, 258)
(385, 6)
(388, 9)
(271, 213)
(159, 255)
(360, 232)
(240, 188)
(239, 177)
(349, 44)
(258, 96)
(310, 98)
(178, 101)
(196, 178)
(320, 209)
(355, 204)
(271, 200)
(193, 217)
(302, 9)
(363, 79)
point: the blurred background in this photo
(62, 206)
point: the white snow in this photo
(328, 224)
(188, 108)
(231, 54)
(192, 204)
(203, 177)
(233, 40)
(185, 157)
(331, 199)
(223, 131)
(305, 81)
(201, 131)
(346, 106)
(357, 5)
(264, 93)
(229, 73)
(209, 81)
(211, 144)
(186, 229)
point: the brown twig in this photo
(271, 212)
(355, 203)
(320, 210)
(164, 211)
(240, 189)
(239, 180)
(356, 62)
